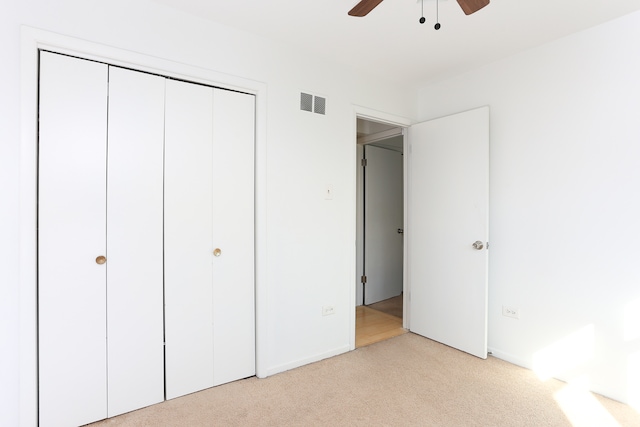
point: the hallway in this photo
(373, 325)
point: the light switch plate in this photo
(328, 192)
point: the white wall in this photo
(565, 203)
(310, 247)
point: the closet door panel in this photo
(135, 240)
(233, 234)
(71, 234)
(188, 234)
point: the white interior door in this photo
(233, 234)
(71, 234)
(383, 217)
(209, 237)
(105, 191)
(359, 226)
(134, 239)
(448, 197)
(188, 238)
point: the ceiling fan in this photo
(366, 6)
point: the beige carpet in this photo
(392, 306)
(404, 381)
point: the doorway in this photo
(380, 228)
(446, 172)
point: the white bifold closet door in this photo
(146, 236)
(135, 240)
(100, 325)
(209, 237)
(72, 207)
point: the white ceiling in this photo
(390, 43)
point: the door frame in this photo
(360, 112)
(31, 41)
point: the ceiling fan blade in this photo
(471, 6)
(364, 7)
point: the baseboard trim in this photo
(508, 357)
(301, 362)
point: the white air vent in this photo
(313, 104)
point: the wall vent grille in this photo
(313, 104)
(319, 105)
(306, 102)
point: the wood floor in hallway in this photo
(373, 326)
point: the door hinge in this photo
(363, 279)
(363, 162)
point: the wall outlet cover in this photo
(512, 312)
(328, 310)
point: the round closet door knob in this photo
(217, 252)
(101, 259)
(477, 245)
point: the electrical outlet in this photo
(328, 310)
(511, 312)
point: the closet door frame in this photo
(32, 41)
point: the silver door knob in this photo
(477, 245)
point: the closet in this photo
(145, 239)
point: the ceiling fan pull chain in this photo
(422, 18)
(437, 26)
